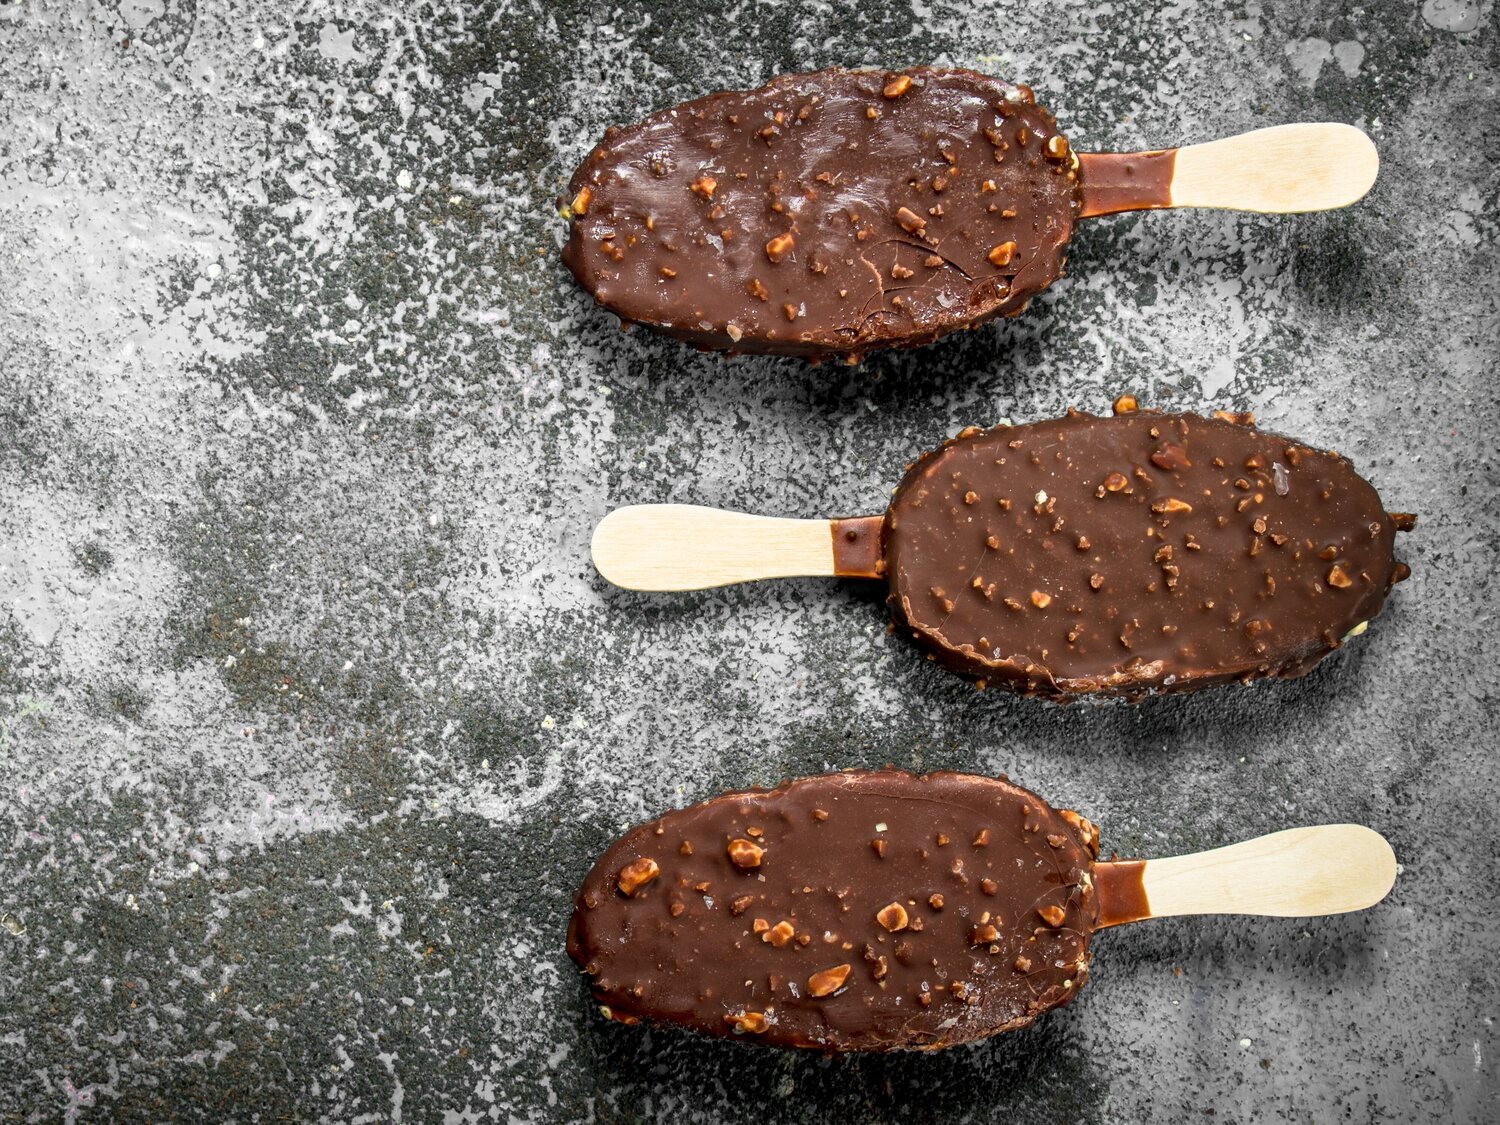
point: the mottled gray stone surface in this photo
(313, 712)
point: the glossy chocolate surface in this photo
(866, 910)
(827, 214)
(1136, 553)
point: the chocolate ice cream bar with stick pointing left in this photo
(1086, 555)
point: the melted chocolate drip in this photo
(1144, 552)
(867, 910)
(827, 214)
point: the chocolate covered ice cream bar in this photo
(879, 911)
(834, 213)
(1087, 555)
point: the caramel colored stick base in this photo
(1113, 182)
(857, 550)
(687, 547)
(1297, 873)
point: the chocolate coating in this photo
(827, 214)
(1143, 552)
(927, 911)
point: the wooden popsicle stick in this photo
(688, 547)
(1297, 873)
(1280, 170)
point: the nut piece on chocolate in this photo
(1136, 553)
(974, 919)
(827, 214)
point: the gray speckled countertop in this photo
(313, 712)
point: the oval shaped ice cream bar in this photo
(1087, 555)
(834, 213)
(878, 911)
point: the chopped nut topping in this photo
(1338, 576)
(1040, 599)
(734, 332)
(740, 905)
(892, 917)
(989, 886)
(779, 247)
(910, 221)
(790, 311)
(704, 185)
(636, 874)
(1023, 964)
(1171, 457)
(667, 271)
(897, 86)
(981, 838)
(750, 1023)
(1171, 504)
(825, 982)
(1001, 255)
(779, 934)
(757, 289)
(1126, 404)
(1083, 827)
(745, 853)
(935, 901)
(1053, 915)
(580, 204)
(1114, 482)
(983, 934)
(1057, 148)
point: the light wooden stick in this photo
(1279, 170)
(686, 547)
(1301, 872)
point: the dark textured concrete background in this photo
(313, 712)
